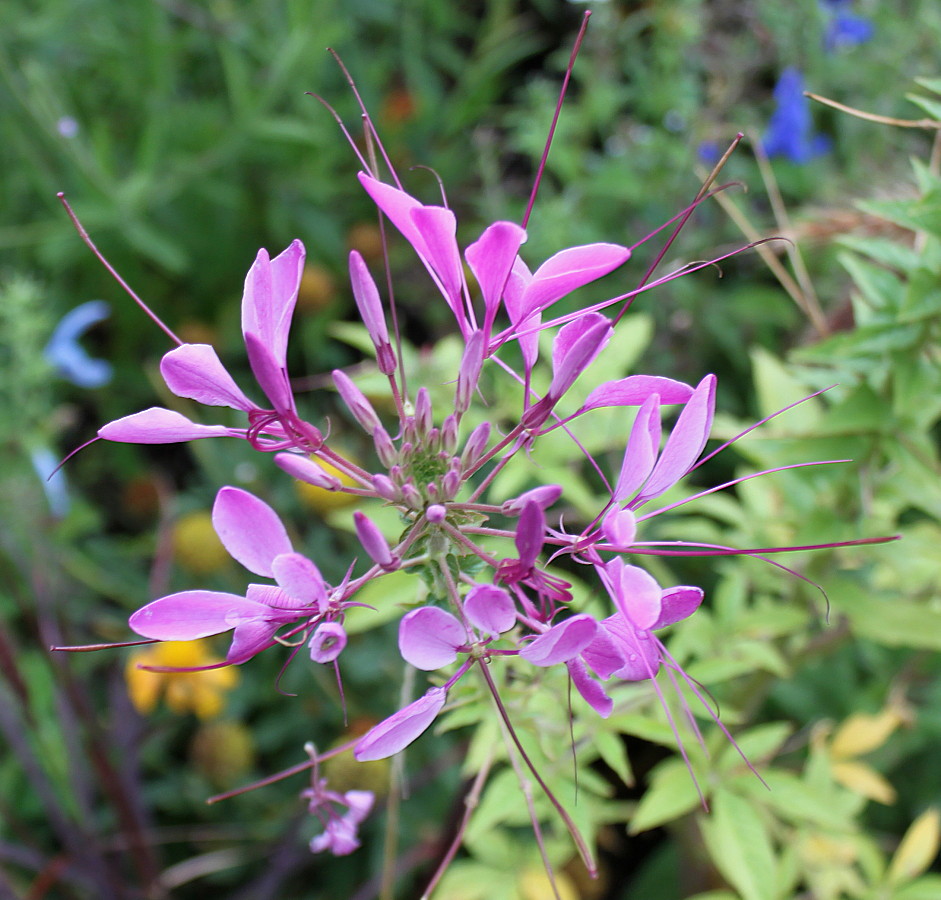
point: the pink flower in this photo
(195, 372)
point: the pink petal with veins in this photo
(429, 638)
(490, 609)
(641, 451)
(635, 389)
(194, 371)
(685, 442)
(678, 603)
(491, 258)
(159, 426)
(592, 692)
(269, 297)
(400, 729)
(398, 206)
(270, 374)
(189, 615)
(635, 593)
(438, 229)
(570, 269)
(300, 579)
(249, 529)
(562, 642)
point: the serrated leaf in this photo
(671, 794)
(740, 846)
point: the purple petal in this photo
(249, 639)
(530, 534)
(159, 426)
(270, 373)
(490, 609)
(438, 229)
(641, 451)
(400, 729)
(398, 206)
(619, 527)
(575, 347)
(641, 652)
(685, 442)
(570, 269)
(603, 654)
(677, 603)
(271, 288)
(356, 401)
(327, 642)
(562, 642)
(189, 615)
(635, 389)
(491, 258)
(249, 529)
(373, 542)
(592, 692)
(635, 593)
(300, 579)
(194, 371)
(281, 606)
(429, 638)
(513, 297)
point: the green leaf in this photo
(671, 794)
(740, 846)
(757, 744)
(611, 749)
(928, 887)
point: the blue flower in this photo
(53, 482)
(67, 355)
(844, 29)
(790, 131)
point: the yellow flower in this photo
(321, 500)
(198, 692)
(196, 546)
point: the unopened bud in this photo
(436, 513)
(423, 414)
(385, 449)
(449, 434)
(385, 488)
(304, 469)
(476, 445)
(373, 542)
(356, 401)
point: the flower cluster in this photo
(438, 468)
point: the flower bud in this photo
(356, 401)
(385, 449)
(305, 469)
(373, 542)
(476, 445)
